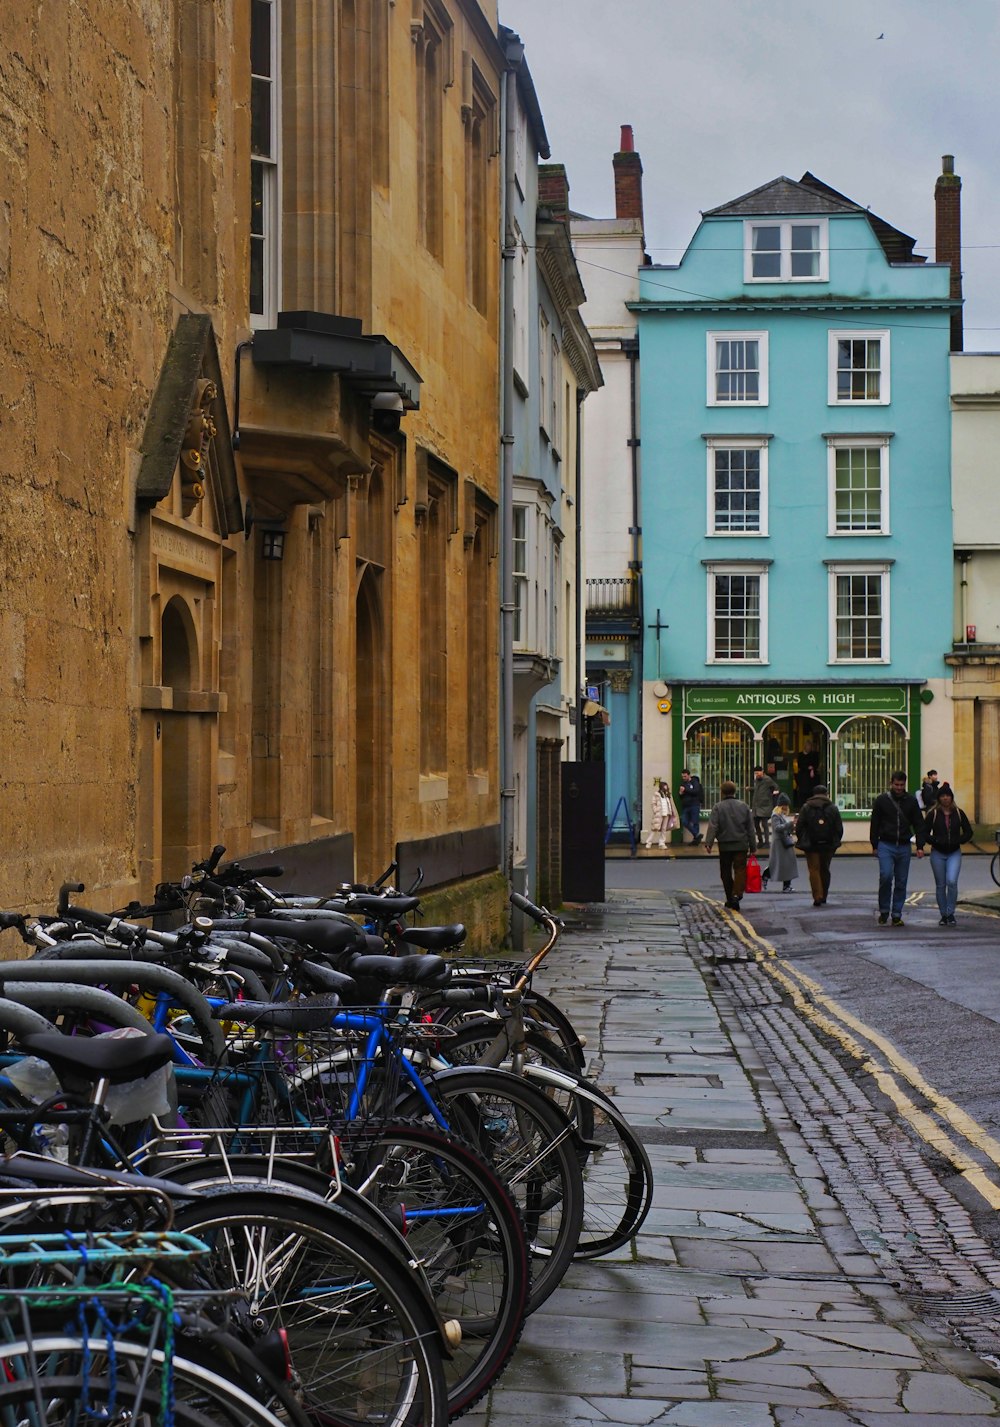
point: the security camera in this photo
(387, 413)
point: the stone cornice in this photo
(557, 265)
(756, 305)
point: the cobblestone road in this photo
(801, 1265)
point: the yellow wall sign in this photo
(663, 705)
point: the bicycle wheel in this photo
(534, 1148)
(995, 868)
(364, 1343)
(471, 1043)
(617, 1174)
(464, 1227)
(66, 1381)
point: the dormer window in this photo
(786, 251)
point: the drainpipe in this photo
(964, 556)
(631, 349)
(515, 53)
(581, 679)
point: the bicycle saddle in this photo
(76, 1058)
(310, 1015)
(398, 970)
(432, 938)
(329, 938)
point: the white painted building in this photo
(975, 657)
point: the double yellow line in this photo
(858, 1039)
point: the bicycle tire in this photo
(364, 1342)
(533, 1146)
(471, 1042)
(203, 1398)
(617, 1173)
(995, 868)
(247, 1172)
(618, 1176)
(465, 1228)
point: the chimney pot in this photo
(628, 177)
(947, 163)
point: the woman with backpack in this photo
(945, 827)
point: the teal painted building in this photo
(796, 488)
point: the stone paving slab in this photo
(748, 1299)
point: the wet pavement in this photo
(800, 1262)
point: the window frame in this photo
(841, 334)
(521, 576)
(735, 442)
(712, 338)
(714, 568)
(837, 569)
(270, 168)
(785, 226)
(861, 442)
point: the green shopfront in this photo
(849, 736)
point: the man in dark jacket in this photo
(731, 822)
(762, 795)
(895, 820)
(689, 796)
(820, 831)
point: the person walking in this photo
(895, 822)
(820, 831)
(945, 827)
(663, 817)
(807, 772)
(690, 796)
(781, 861)
(762, 795)
(929, 789)
(731, 823)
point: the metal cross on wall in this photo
(659, 626)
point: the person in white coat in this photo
(663, 814)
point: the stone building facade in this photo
(249, 489)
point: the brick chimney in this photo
(553, 190)
(948, 237)
(628, 178)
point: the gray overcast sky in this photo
(724, 95)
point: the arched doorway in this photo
(799, 748)
(373, 785)
(180, 764)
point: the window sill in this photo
(858, 401)
(857, 534)
(736, 535)
(862, 663)
(738, 663)
(433, 788)
(716, 405)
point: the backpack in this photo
(818, 827)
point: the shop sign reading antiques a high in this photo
(815, 701)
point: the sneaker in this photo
(952, 922)
(944, 922)
(896, 921)
(883, 917)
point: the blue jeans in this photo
(893, 870)
(689, 819)
(946, 867)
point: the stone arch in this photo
(184, 759)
